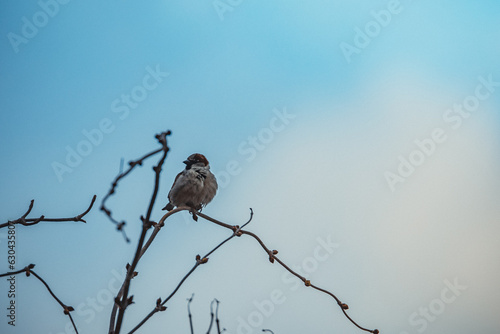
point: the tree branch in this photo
(132, 164)
(122, 301)
(28, 270)
(272, 257)
(217, 322)
(32, 221)
(199, 260)
(237, 231)
(212, 314)
(189, 313)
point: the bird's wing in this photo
(174, 186)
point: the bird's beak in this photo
(187, 162)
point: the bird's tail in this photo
(168, 207)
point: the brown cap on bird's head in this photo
(196, 158)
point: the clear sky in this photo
(364, 134)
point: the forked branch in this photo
(32, 221)
(120, 225)
(122, 300)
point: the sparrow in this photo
(195, 186)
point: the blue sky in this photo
(313, 132)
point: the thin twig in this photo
(11, 273)
(158, 226)
(29, 270)
(32, 221)
(189, 313)
(212, 314)
(163, 303)
(217, 322)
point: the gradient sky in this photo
(310, 133)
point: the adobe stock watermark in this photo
(96, 304)
(453, 118)
(121, 106)
(224, 6)
(371, 30)
(263, 309)
(421, 318)
(32, 25)
(250, 148)
(11, 260)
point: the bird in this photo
(195, 186)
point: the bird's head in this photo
(196, 159)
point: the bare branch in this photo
(189, 313)
(122, 301)
(29, 270)
(143, 321)
(217, 322)
(199, 260)
(212, 314)
(272, 257)
(238, 231)
(25, 269)
(32, 221)
(132, 164)
(159, 225)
